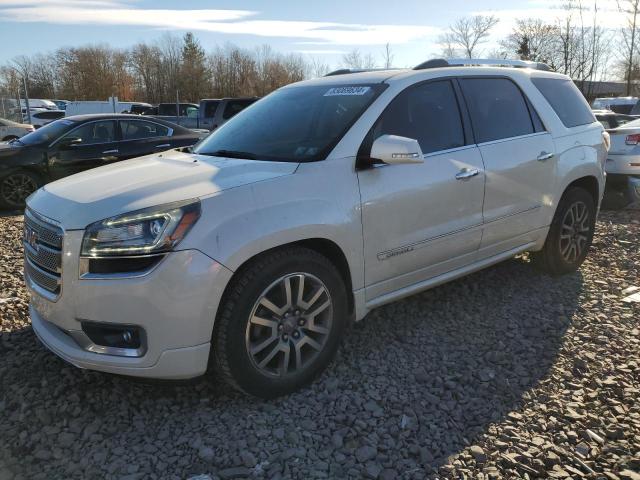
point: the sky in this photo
(324, 29)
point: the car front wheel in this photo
(280, 323)
(16, 187)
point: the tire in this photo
(16, 187)
(617, 195)
(570, 234)
(258, 293)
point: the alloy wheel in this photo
(16, 188)
(289, 325)
(575, 231)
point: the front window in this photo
(48, 133)
(93, 133)
(297, 124)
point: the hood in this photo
(103, 192)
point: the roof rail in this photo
(495, 62)
(345, 71)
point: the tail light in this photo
(606, 138)
(632, 139)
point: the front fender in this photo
(320, 201)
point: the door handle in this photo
(164, 145)
(110, 151)
(467, 173)
(544, 156)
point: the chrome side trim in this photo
(509, 215)
(422, 243)
(445, 277)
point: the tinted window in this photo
(498, 109)
(49, 115)
(605, 122)
(94, 132)
(235, 106)
(294, 123)
(428, 113)
(48, 133)
(210, 109)
(137, 129)
(566, 100)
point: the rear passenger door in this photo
(518, 155)
(142, 137)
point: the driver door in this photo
(422, 220)
(90, 145)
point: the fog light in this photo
(114, 336)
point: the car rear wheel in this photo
(570, 234)
(16, 187)
(281, 322)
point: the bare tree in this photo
(355, 59)
(629, 34)
(533, 39)
(317, 67)
(466, 34)
(387, 56)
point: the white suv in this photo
(316, 204)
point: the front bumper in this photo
(175, 303)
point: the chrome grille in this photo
(43, 252)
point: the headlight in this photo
(148, 231)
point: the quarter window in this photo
(497, 108)
(94, 132)
(138, 129)
(428, 113)
(567, 101)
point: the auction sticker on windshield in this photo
(332, 92)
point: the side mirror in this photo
(393, 149)
(67, 143)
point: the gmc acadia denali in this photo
(316, 204)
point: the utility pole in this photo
(26, 98)
(177, 107)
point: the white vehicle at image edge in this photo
(316, 204)
(11, 130)
(623, 162)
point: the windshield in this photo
(294, 124)
(48, 133)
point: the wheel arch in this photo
(588, 183)
(324, 246)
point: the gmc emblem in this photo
(31, 237)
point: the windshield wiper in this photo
(231, 154)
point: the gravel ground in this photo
(504, 374)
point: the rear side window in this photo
(566, 100)
(210, 109)
(428, 113)
(234, 107)
(497, 108)
(138, 129)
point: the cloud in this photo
(243, 22)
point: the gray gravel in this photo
(505, 374)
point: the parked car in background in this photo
(210, 114)
(41, 118)
(610, 119)
(319, 203)
(38, 103)
(11, 130)
(615, 104)
(61, 104)
(109, 106)
(75, 144)
(623, 165)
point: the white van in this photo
(108, 106)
